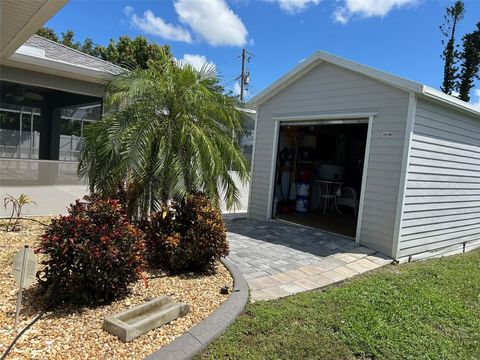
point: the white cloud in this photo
(476, 102)
(154, 25)
(197, 61)
(367, 8)
(213, 21)
(236, 89)
(294, 6)
(128, 10)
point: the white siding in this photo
(331, 89)
(442, 197)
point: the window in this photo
(72, 123)
(19, 131)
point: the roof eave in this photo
(42, 15)
(78, 71)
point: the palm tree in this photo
(169, 130)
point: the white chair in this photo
(346, 196)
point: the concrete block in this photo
(140, 319)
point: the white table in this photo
(328, 190)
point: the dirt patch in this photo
(76, 333)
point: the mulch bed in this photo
(76, 333)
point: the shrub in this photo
(93, 253)
(187, 236)
(17, 206)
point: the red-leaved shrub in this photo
(186, 236)
(93, 253)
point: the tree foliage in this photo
(450, 55)
(470, 63)
(170, 131)
(48, 33)
(132, 53)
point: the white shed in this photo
(349, 149)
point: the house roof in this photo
(382, 76)
(43, 55)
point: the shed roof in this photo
(382, 76)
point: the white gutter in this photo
(451, 100)
(246, 110)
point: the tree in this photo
(88, 47)
(453, 15)
(47, 33)
(470, 63)
(168, 131)
(68, 40)
(126, 52)
(133, 53)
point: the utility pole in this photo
(245, 75)
(242, 76)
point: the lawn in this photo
(423, 310)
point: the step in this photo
(132, 323)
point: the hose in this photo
(10, 347)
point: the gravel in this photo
(76, 333)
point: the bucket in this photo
(302, 188)
(302, 192)
(301, 205)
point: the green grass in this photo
(424, 310)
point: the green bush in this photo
(186, 236)
(93, 253)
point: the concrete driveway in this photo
(279, 259)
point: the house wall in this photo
(330, 89)
(441, 208)
(54, 185)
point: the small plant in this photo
(186, 236)
(17, 206)
(94, 253)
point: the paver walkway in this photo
(279, 259)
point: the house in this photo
(48, 92)
(350, 149)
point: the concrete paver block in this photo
(283, 278)
(358, 267)
(346, 271)
(292, 288)
(262, 282)
(307, 284)
(321, 280)
(334, 275)
(311, 269)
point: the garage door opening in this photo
(318, 177)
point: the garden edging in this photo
(198, 337)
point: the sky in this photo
(398, 36)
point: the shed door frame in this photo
(318, 119)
